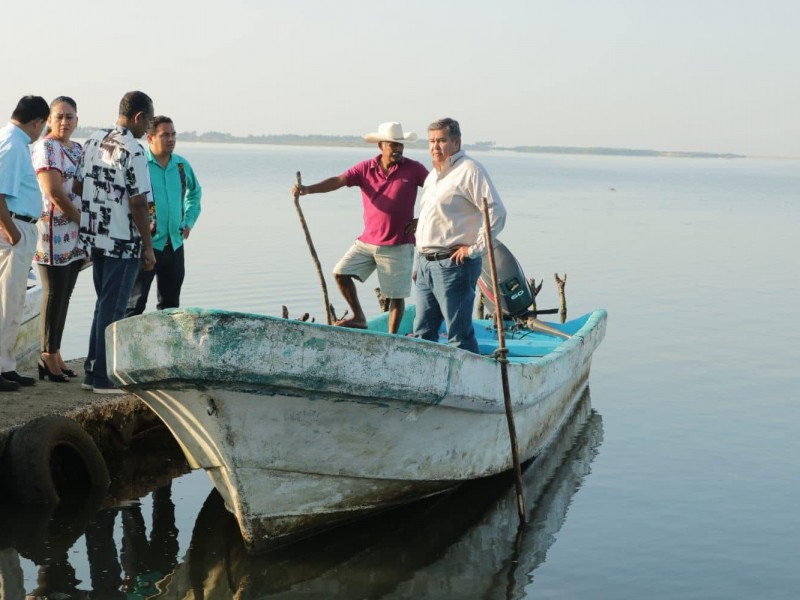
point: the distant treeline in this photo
(285, 140)
(598, 150)
(358, 141)
(617, 152)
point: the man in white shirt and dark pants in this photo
(450, 237)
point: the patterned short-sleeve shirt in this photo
(112, 170)
(58, 236)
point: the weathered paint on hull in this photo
(338, 442)
(27, 345)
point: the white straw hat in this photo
(390, 132)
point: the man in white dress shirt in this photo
(450, 237)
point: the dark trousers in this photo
(101, 550)
(168, 272)
(113, 280)
(159, 554)
(57, 285)
(445, 292)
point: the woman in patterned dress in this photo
(58, 253)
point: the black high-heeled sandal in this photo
(55, 377)
(68, 372)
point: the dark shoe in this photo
(69, 372)
(56, 377)
(20, 379)
(8, 386)
(88, 381)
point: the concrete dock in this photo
(112, 420)
(139, 451)
(46, 397)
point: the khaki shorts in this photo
(394, 265)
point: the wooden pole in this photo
(561, 284)
(328, 311)
(500, 356)
(535, 292)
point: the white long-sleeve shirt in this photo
(451, 207)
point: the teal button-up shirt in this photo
(176, 203)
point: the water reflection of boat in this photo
(466, 544)
(301, 425)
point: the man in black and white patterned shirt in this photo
(114, 184)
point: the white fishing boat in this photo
(457, 545)
(301, 425)
(27, 346)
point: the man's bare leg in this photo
(397, 306)
(348, 289)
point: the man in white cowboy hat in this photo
(388, 185)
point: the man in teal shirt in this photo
(176, 195)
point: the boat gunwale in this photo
(293, 384)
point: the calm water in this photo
(679, 479)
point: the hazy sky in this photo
(694, 75)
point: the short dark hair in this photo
(30, 108)
(451, 125)
(159, 120)
(134, 102)
(65, 99)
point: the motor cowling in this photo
(516, 296)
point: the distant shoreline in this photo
(216, 137)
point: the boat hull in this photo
(301, 426)
(27, 345)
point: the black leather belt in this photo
(438, 255)
(25, 218)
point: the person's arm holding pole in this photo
(297, 191)
(323, 187)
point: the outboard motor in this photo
(516, 296)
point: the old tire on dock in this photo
(50, 458)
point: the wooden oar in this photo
(328, 311)
(500, 356)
